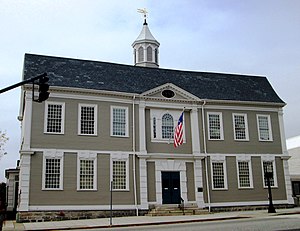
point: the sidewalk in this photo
(141, 220)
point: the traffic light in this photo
(43, 89)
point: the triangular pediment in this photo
(159, 93)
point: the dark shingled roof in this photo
(67, 72)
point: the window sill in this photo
(245, 140)
(87, 134)
(53, 133)
(120, 190)
(126, 136)
(220, 189)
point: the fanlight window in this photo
(167, 126)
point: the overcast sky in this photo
(257, 37)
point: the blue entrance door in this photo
(170, 187)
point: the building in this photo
(107, 122)
(293, 146)
(12, 187)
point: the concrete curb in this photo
(128, 222)
(144, 224)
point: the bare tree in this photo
(3, 139)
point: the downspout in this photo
(205, 152)
(134, 157)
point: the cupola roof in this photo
(145, 35)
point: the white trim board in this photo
(83, 207)
(246, 203)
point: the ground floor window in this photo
(120, 172)
(52, 170)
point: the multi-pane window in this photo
(52, 173)
(264, 127)
(54, 118)
(88, 119)
(167, 126)
(154, 127)
(244, 174)
(119, 172)
(119, 121)
(215, 126)
(240, 127)
(218, 176)
(268, 166)
(86, 174)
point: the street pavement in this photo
(142, 220)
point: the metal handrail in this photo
(182, 205)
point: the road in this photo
(278, 223)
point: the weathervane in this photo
(143, 11)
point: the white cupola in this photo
(145, 48)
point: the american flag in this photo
(178, 133)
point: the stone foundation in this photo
(41, 216)
(245, 208)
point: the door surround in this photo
(169, 166)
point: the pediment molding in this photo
(180, 94)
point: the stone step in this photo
(176, 211)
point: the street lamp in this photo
(268, 176)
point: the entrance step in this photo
(176, 210)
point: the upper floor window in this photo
(264, 127)
(156, 55)
(149, 54)
(154, 127)
(54, 117)
(167, 126)
(119, 121)
(87, 119)
(215, 126)
(52, 170)
(86, 171)
(163, 125)
(141, 54)
(240, 127)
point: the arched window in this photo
(134, 56)
(167, 126)
(149, 54)
(141, 54)
(156, 55)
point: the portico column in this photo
(285, 157)
(24, 180)
(142, 129)
(195, 131)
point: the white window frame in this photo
(158, 114)
(246, 126)
(126, 121)
(269, 127)
(95, 106)
(47, 103)
(269, 158)
(120, 157)
(218, 159)
(221, 125)
(87, 156)
(244, 158)
(53, 154)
